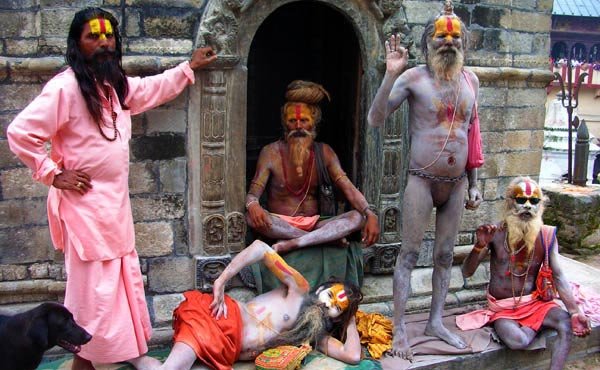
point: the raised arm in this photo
(348, 351)
(149, 92)
(391, 93)
(579, 321)
(356, 199)
(484, 235)
(255, 252)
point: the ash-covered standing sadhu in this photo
(85, 113)
(217, 330)
(445, 153)
(525, 276)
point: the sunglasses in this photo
(523, 200)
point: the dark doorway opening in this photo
(308, 41)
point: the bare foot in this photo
(400, 346)
(446, 335)
(284, 246)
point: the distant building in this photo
(575, 40)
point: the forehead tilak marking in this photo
(298, 111)
(449, 25)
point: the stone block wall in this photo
(509, 52)
(156, 35)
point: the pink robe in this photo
(94, 230)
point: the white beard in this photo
(527, 231)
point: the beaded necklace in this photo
(113, 115)
(512, 273)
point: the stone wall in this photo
(510, 49)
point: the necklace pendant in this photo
(507, 273)
(512, 258)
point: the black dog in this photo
(26, 336)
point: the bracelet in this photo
(364, 212)
(250, 202)
(478, 248)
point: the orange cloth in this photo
(530, 312)
(375, 332)
(306, 223)
(217, 343)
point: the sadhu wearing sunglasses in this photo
(524, 276)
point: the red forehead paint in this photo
(298, 111)
(102, 25)
(449, 25)
(528, 189)
(342, 295)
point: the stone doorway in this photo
(234, 111)
(309, 41)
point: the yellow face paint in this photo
(339, 296)
(282, 270)
(102, 27)
(299, 113)
(447, 27)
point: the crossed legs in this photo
(516, 336)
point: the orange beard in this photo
(299, 148)
(527, 231)
(445, 65)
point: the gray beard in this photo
(445, 65)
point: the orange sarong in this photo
(217, 343)
(306, 223)
(530, 312)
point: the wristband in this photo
(250, 202)
(478, 248)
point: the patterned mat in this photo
(314, 361)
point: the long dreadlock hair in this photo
(313, 323)
(84, 74)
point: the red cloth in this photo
(306, 223)
(530, 312)
(217, 343)
(475, 158)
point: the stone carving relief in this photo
(220, 27)
(214, 231)
(214, 106)
(208, 269)
(391, 220)
(381, 259)
(236, 230)
(391, 172)
(212, 180)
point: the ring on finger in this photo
(79, 184)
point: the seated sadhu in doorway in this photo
(218, 330)
(288, 171)
(525, 276)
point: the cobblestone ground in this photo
(591, 362)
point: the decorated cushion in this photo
(282, 358)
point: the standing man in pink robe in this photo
(85, 112)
